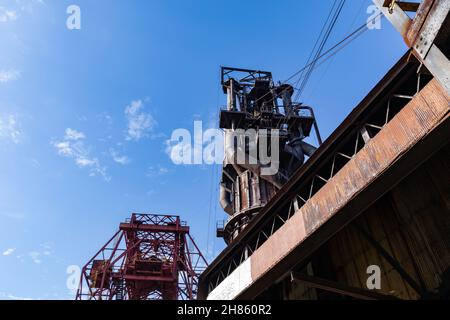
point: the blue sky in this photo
(85, 114)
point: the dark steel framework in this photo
(151, 257)
(428, 35)
(398, 88)
(256, 104)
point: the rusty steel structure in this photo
(375, 193)
(259, 112)
(426, 34)
(150, 257)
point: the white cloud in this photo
(73, 147)
(64, 148)
(13, 297)
(139, 122)
(105, 118)
(37, 255)
(7, 15)
(159, 171)
(19, 7)
(123, 160)
(46, 245)
(34, 255)
(74, 135)
(8, 252)
(10, 129)
(84, 162)
(163, 170)
(10, 296)
(9, 75)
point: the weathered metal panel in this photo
(418, 21)
(412, 223)
(237, 281)
(424, 29)
(431, 26)
(271, 252)
(399, 19)
(396, 74)
(412, 123)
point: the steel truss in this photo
(151, 257)
(394, 100)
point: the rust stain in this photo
(288, 236)
(417, 23)
(412, 123)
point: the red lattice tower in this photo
(151, 257)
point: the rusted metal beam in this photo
(420, 33)
(311, 244)
(430, 27)
(416, 25)
(152, 228)
(417, 131)
(335, 287)
(404, 5)
(396, 75)
(397, 17)
(149, 278)
(439, 66)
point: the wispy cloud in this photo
(13, 297)
(10, 128)
(37, 256)
(10, 296)
(7, 15)
(73, 146)
(139, 123)
(9, 75)
(158, 171)
(8, 252)
(120, 159)
(17, 8)
(105, 118)
(34, 255)
(74, 135)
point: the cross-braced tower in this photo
(151, 257)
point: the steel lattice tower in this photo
(151, 257)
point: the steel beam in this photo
(335, 287)
(420, 33)
(152, 228)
